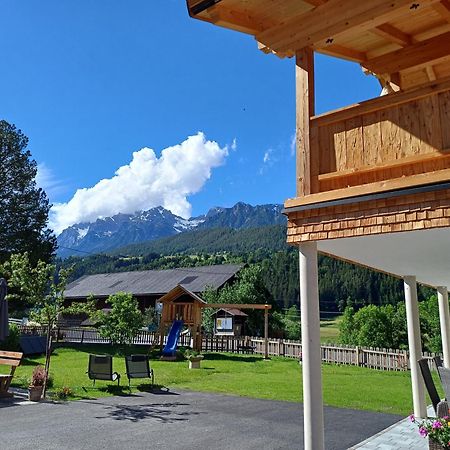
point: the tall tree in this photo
(24, 207)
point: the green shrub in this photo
(12, 342)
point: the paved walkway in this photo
(177, 420)
(403, 435)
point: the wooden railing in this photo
(373, 358)
(388, 142)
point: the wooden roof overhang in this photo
(404, 41)
(179, 291)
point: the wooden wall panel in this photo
(354, 142)
(369, 147)
(430, 124)
(444, 109)
(372, 152)
(390, 133)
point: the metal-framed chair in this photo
(444, 375)
(100, 368)
(138, 366)
(440, 406)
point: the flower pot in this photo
(194, 362)
(433, 445)
(35, 393)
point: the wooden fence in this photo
(373, 358)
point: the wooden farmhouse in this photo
(373, 179)
(148, 286)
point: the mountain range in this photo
(109, 233)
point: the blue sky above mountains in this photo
(130, 105)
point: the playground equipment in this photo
(181, 307)
(172, 340)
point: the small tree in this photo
(49, 307)
(41, 287)
(123, 322)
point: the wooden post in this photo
(311, 352)
(266, 333)
(304, 81)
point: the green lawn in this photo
(329, 329)
(245, 375)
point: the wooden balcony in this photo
(398, 141)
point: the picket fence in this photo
(373, 358)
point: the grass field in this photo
(244, 375)
(329, 329)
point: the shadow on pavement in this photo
(162, 412)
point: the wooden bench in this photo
(12, 359)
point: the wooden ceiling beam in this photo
(343, 52)
(315, 2)
(393, 34)
(421, 53)
(242, 21)
(431, 73)
(321, 25)
(443, 8)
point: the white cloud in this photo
(293, 144)
(234, 145)
(147, 181)
(267, 156)
(46, 180)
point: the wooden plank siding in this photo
(402, 140)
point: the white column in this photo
(444, 318)
(415, 346)
(311, 356)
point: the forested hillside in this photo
(340, 284)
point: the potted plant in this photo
(437, 430)
(194, 359)
(37, 383)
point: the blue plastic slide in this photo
(174, 334)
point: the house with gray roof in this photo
(147, 286)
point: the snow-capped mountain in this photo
(122, 229)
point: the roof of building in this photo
(232, 311)
(177, 292)
(152, 282)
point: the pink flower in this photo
(423, 431)
(412, 418)
(437, 424)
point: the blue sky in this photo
(92, 82)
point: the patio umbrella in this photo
(4, 328)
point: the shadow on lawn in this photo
(162, 412)
(228, 357)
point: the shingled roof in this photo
(152, 282)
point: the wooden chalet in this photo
(373, 179)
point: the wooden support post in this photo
(304, 81)
(415, 346)
(311, 351)
(266, 333)
(444, 318)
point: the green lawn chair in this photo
(100, 368)
(138, 366)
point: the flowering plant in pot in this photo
(437, 430)
(37, 382)
(194, 359)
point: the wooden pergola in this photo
(373, 179)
